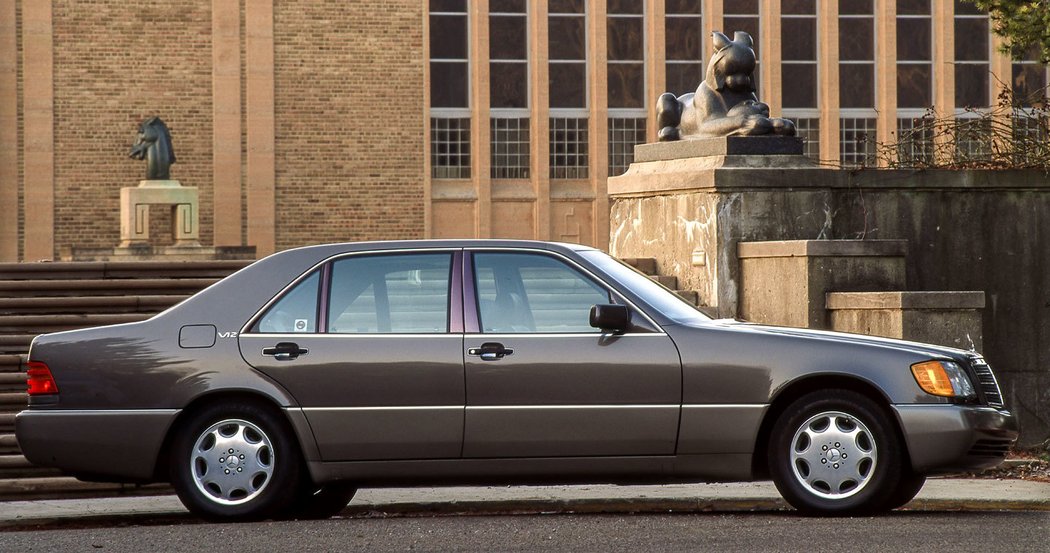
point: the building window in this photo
(1029, 80)
(626, 70)
(449, 90)
(798, 37)
(510, 148)
(1030, 135)
(971, 56)
(914, 54)
(914, 142)
(857, 141)
(567, 48)
(450, 147)
(624, 134)
(684, 45)
(808, 129)
(972, 139)
(856, 54)
(742, 15)
(509, 89)
(568, 139)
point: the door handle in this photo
(285, 351)
(490, 351)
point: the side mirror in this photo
(610, 317)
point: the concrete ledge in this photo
(905, 300)
(818, 248)
(724, 146)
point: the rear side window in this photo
(296, 312)
(388, 294)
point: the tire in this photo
(321, 502)
(836, 452)
(909, 487)
(257, 480)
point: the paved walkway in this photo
(938, 494)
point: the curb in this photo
(530, 507)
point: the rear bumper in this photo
(111, 445)
(952, 438)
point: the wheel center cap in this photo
(834, 455)
(232, 461)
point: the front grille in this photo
(986, 382)
(990, 448)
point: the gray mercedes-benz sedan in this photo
(280, 390)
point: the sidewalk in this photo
(938, 494)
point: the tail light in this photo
(39, 379)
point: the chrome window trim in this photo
(562, 335)
(456, 335)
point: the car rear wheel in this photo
(235, 462)
(835, 452)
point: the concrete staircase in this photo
(47, 297)
(648, 266)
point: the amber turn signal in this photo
(933, 378)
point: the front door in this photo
(364, 345)
(541, 382)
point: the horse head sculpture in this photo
(154, 145)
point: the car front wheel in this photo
(835, 452)
(235, 462)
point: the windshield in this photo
(671, 305)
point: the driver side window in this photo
(526, 293)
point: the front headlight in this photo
(942, 378)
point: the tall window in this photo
(742, 15)
(626, 76)
(798, 37)
(914, 55)
(509, 88)
(449, 90)
(971, 80)
(567, 42)
(971, 56)
(1029, 79)
(856, 81)
(684, 45)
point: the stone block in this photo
(134, 212)
(785, 282)
(724, 146)
(945, 318)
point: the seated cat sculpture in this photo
(725, 103)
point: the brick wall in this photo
(349, 109)
(116, 63)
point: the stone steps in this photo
(45, 297)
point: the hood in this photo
(918, 348)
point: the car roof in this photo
(443, 243)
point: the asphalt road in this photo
(781, 532)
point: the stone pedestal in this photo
(785, 283)
(134, 212)
(946, 318)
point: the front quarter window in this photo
(296, 312)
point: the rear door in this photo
(371, 347)
(541, 382)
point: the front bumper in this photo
(114, 445)
(953, 438)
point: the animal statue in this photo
(154, 145)
(725, 103)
